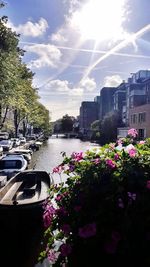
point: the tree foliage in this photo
(18, 97)
(67, 123)
(109, 127)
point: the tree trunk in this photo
(16, 124)
(2, 120)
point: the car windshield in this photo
(4, 142)
(10, 164)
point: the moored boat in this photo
(26, 190)
(12, 164)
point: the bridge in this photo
(66, 135)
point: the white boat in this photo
(27, 189)
(27, 153)
(11, 164)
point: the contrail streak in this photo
(121, 45)
(91, 51)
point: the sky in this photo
(76, 47)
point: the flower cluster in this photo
(103, 209)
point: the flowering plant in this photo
(102, 212)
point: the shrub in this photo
(102, 213)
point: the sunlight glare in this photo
(100, 20)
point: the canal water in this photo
(49, 155)
(20, 247)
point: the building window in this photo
(134, 118)
(142, 117)
(142, 133)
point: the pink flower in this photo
(131, 150)
(148, 184)
(65, 249)
(119, 141)
(58, 197)
(47, 219)
(110, 163)
(142, 142)
(52, 256)
(97, 161)
(48, 215)
(77, 156)
(132, 132)
(132, 153)
(87, 231)
(116, 157)
(58, 169)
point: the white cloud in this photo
(48, 55)
(88, 84)
(58, 37)
(57, 86)
(77, 92)
(30, 29)
(64, 87)
(112, 81)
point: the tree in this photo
(67, 123)
(40, 119)
(9, 54)
(95, 127)
(17, 94)
(109, 126)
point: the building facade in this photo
(140, 120)
(106, 100)
(88, 114)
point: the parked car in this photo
(4, 135)
(6, 144)
(16, 142)
(11, 164)
(22, 140)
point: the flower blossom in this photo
(58, 197)
(110, 163)
(87, 231)
(48, 215)
(58, 169)
(132, 132)
(97, 161)
(131, 150)
(52, 256)
(77, 156)
(116, 156)
(142, 142)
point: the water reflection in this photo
(49, 155)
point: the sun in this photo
(100, 20)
